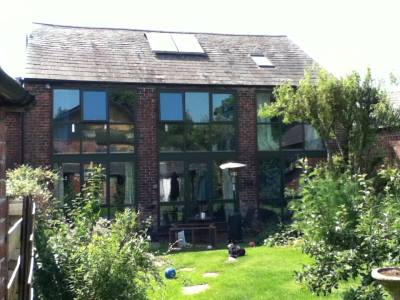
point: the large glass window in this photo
(94, 130)
(189, 188)
(273, 135)
(118, 189)
(208, 124)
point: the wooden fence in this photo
(21, 214)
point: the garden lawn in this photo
(264, 273)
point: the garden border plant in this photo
(79, 254)
(348, 213)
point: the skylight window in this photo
(262, 61)
(174, 43)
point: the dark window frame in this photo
(105, 158)
(185, 123)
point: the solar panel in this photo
(161, 42)
(262, 61)
(187, 43)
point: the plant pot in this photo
(389, 278)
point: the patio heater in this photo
(235, 221)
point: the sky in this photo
(341, 35)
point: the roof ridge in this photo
(161, 31)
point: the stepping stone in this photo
(195, 289)
(210, 275)
(187, 269)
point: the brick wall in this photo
(147, 151)
(37, 127)
(14, 139)
(38, 145)
(247, 115)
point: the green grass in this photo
(264, 274)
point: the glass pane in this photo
(312, 139)
(197, 107)
(122, 183)
(122, 106)
(66, 105)
(222, 137)
(94, 106)
(263, 99)
(171, 137)
(87, 168)
(197, 138)
(223, 184)
(222, 211)
(291, 176)
(270, 181)
(122, 138)
(268, 137)
(171, 214)
(200, 182)
(70, 183)
(171, 181)
(223, 107)
(171, 107)
(66, 139)
(292, 137)
(94, 138)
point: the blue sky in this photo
(341, 35)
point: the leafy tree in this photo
(346, 112)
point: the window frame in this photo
(211, 122)
(79, 124)
(105, 158)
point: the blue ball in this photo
(170, 273)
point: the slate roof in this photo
(123, 55)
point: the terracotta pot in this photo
(389, 278)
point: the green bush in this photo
(350, 225)
(79, 254)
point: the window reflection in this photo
(70, 181)
(66, 105)
(122, 106)
(171, 181)
(223, 186)
(268, 136)
(222, 137)
(66, 138)
(171, 137)
(122, 183)
(197, 107)
(121, 138)
(223, 107)
(94, 106)
(171, 214)
(171, 107)
(197, 137)
(312, 139)
(94, 138)
(292, 137)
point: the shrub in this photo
(351, 225)
(80, 255)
